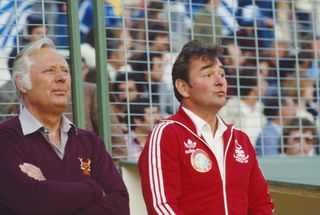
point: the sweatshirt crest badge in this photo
(239, 154)
(85, 166)
(189, 146)
(200, 161)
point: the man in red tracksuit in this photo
(194, 163)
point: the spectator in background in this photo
(119, 43)
(158, 36)
(258, 13)
(232, 60)
(118, 48)
(278, 114)
(61, 25)
(147, 20)
(92, 117)
(246, 111)
(86, 17)
(300, 137)
(143, 117)
(301, 90)
(207, 24)
(44, 155)
(36, 29)
(125, 91)
(149, 69)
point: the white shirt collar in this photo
(202, 125)
(30, 124)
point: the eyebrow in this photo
(59, 66)
(210, 65)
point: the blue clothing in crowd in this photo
(268, 142)
(86, 17)
(250, 12)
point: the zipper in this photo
(224, 175)
(224, 162)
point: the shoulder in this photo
(242, 137)
(11, 125)
(86, 134)
(163, 127)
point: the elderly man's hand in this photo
(32, 171)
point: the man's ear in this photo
(182, 87)
(19, 85)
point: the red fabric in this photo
(171, 185)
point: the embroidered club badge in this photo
(85, 166)
(239, 154)
(200, 161)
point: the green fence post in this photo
(102, 82)
(75, 57)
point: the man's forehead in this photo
(52, 56)
(207, 60)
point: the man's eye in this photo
(48, 70)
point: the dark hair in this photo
(122, 78)
(140, 62)
(295, 124)
(191, 50)
(34, 22)
(272, 106)
(156, 29)
(136, 110)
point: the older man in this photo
(49, 166)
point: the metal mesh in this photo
(271, 57)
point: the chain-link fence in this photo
(271, 59)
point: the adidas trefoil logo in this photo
(190, 146)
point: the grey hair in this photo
(22, 63)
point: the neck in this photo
(49, 120)
(209, 116)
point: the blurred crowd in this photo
(271, 58)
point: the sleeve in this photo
(28, 196)
(105, 173)
(160, 171)
(260, 201)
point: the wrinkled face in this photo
(299, 144)
(51, 82)
(130, 85)
(208, 86)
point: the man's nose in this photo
(61, 75)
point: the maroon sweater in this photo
(70, 188)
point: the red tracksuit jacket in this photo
(180, 174)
